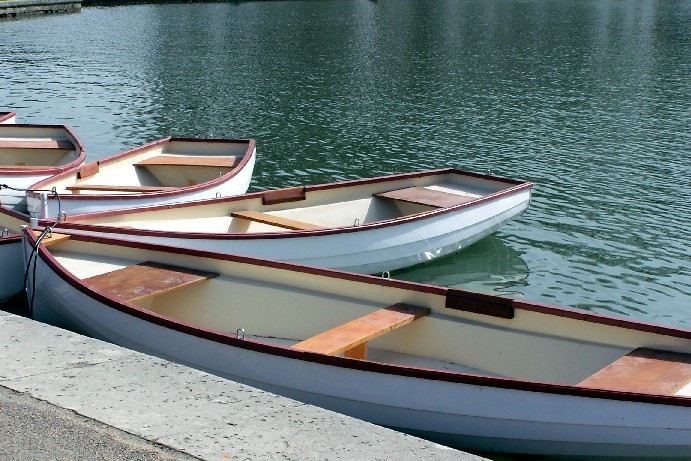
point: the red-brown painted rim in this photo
(249, 154)
(518, 187)
(52, 171)
(7, 115)
(374, 367)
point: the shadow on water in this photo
(489, 266)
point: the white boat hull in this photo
(43, 204)
(460, 410)
(11, 264)
(377, 244)
(369, 251)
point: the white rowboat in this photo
(11, 264)
(166, 171)
(465, 369)
(367, 225)
(31, 153)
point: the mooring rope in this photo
(33, 257)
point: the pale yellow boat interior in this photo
(126, 173)
(340, 207)
(284, 307)
(55, 147)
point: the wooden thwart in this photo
(115, 188)
(351, 338)
(147, 279)
(190, 160)
(52, 238)
(60, 144)
(644, 370)
(272, 220)
(424, 196)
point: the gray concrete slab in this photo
(167, 406)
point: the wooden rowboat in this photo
(366, 225)
(11, 263)
(166, 171)
(31, 153)
(8, 117)
(465, 369)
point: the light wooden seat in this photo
(644, 370)
(59, 144)
(134, 283)
(116, 188)
(190, 160)
(52, 238)
(351, 338)
(272, 220)
(424, 196)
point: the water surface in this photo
(589, 100)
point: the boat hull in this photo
(466, 412)
(46, 205)
(11, 264)
(380, 244)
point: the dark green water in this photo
(590, 100)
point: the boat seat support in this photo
(351, 338)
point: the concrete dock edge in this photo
(187, 410)
(14, 8)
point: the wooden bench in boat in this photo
(351, 338)
(116, 188)
(424, 196)
(272, 220)
(190, 160)
(59, 144)
(52, 238)
(140, 281)
(644, 370)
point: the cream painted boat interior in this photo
(22, 147)
(187, 164)
(284, 307)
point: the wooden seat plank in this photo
(59, 144)
(52, 238)
(644, 370)
(351, 338)
(147, 279)
(272, 220)
(115, 188)
(190, 160)
(424, 196)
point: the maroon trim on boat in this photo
(520, 187)
(373, 367)
(479, 303)
(249, 154)
(52, 171)
(602, 319)
(10, 239)
(4, 116)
